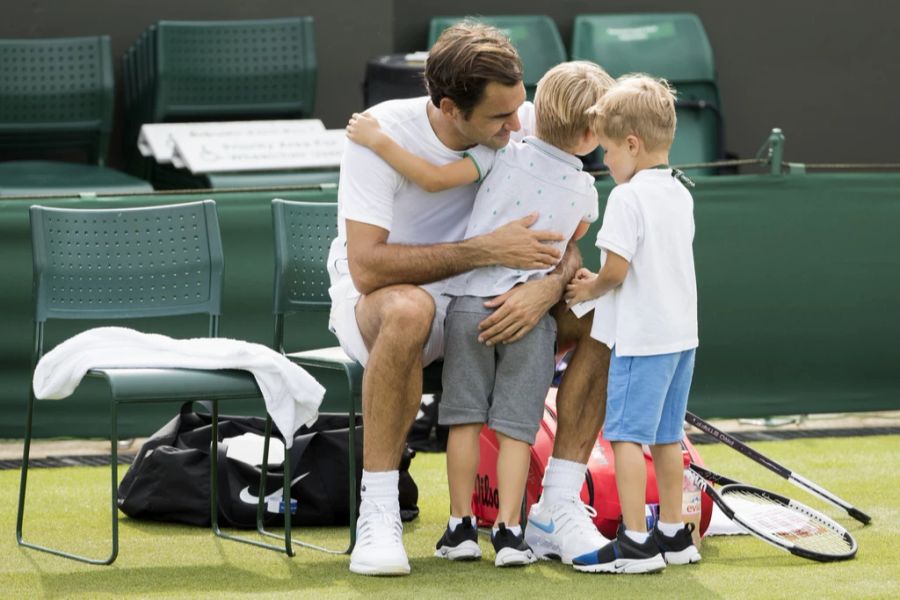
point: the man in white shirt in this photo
(395, 245)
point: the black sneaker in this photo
(623, 555)
(459, 544)
(511, 549)
(678, 549)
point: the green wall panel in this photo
(798, 282)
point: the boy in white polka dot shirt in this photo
(505, 386)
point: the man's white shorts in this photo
(342, 322)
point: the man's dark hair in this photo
(464, 59)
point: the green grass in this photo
(167, 561)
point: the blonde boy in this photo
(648, 268)
(505, 386)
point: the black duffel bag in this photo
(169, 478)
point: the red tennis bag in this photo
(599, 490)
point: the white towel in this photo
(291, 394)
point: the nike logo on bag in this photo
(249, 498)
(545, 527)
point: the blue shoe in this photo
(623, 555)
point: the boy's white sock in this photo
(669, 529)
(454, 522)
(380, 487)
(563, 479)
(515, 530)
(638, 536)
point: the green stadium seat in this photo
(303, 234)
(669, 45)
(118, 238)
(56, 101)
(183, 71)
(535, 37)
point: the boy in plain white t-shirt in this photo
(505, 386)
(650, 324)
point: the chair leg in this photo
(351, 463)
(214, 491)
(20, 514)
(285, 492)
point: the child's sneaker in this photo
(623, 555)
(511, 549)
(459, 544)
(678, 549)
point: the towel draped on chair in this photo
(292, 395)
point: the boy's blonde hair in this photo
(565, 102)
(642, 106)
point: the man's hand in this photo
(516, 246)
(582, 287)
(517, 311)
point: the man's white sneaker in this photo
(379, 542)
(563, 531)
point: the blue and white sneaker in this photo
(623, 555)
(563, 531)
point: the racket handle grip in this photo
(859, 516)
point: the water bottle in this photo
(651, 514)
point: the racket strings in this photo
(787, 523)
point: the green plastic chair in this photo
(669, 45)
(303, 233)
(219, 70)
(535, 37)
(213, 69)
(86, 263)
(56, 98)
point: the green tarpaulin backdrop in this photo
(798, 278)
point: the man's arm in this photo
(520, 309)
(375, 263)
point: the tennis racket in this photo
(795, 478)
(780, 521)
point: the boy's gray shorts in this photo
(504, 385)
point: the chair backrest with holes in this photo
(56, 93)
(123, 263)
(303, 234)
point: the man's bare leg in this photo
(395, 323)
(560, 525)
(581, 398)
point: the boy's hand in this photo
(364, 130)
(581, 288)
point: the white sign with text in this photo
(157, 140)
(277, 151)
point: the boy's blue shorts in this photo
(647, 397)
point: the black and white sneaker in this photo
(678, 549)
(623, 555)
(459, 544)
(511, 549)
